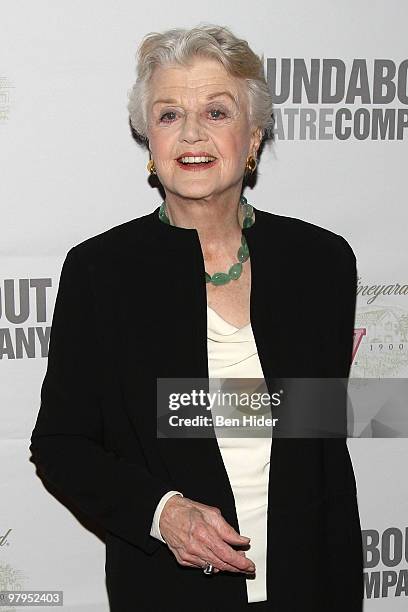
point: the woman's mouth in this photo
(194, 164)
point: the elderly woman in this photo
(205, 286)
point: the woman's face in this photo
(199, 111)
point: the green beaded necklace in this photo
(235, 271)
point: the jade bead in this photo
(243, 254)
(162, 215)
(235, 271)
(220, 278)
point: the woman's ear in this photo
(256, 139)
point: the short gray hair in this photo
(181, 46)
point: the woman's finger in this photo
(199, 562)
(218, 562)
(233, 558)
(222, 555)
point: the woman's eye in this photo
(216, 112)
(169, 119)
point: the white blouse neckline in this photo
(218, 326)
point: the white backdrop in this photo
(70, 169)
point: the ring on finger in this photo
(208, 569)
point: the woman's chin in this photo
(194, 194)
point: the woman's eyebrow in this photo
(209, 97)
(223, 93)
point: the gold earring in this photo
(251, 163)
(151, 167)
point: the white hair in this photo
(181, 46)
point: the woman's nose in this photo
(192, 128)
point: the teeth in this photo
(195, 160)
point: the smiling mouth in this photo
(199, 159)
(196, 163)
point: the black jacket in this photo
(131, 307)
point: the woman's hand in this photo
(197, 533)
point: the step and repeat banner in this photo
(70, 169)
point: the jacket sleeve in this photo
(340, 478)
(346, 297)
(67, 440)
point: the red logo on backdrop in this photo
(359, 332)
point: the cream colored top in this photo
(232, 353)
